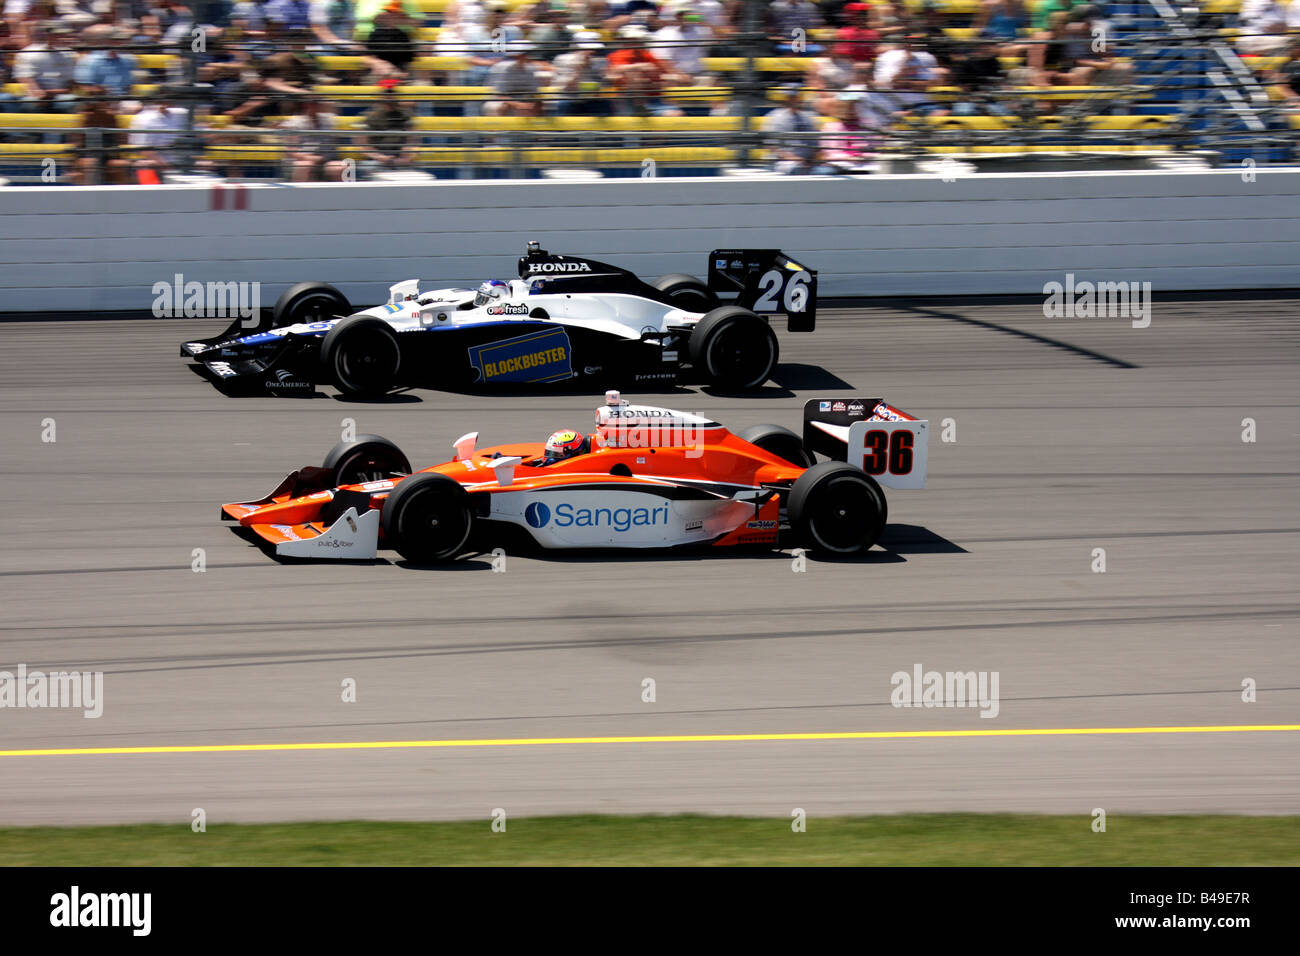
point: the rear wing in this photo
(767, 281)
(885, 442)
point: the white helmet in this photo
(490, 291)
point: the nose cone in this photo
(293, 511)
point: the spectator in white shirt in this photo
(903, 73)
(45, 68)
(684, 42)
(1263, 27)
(582, 67)
(154, 130)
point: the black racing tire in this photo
(781, 442)
(734, 348)
(367, 458)
(836, 509)
(310, 302)
(428, 518)
(361, 356)
(687, 292)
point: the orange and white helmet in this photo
(564, 444)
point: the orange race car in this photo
(647, 477)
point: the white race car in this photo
(565, 319)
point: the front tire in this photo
(836, 509)
(427, 518)
(368, 458)
(309, 302)
(687, 292)
(781, 442)
(361, 356)
(734, 348)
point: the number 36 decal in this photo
(894, 453)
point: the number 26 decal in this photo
(885, 452)
(792, 289)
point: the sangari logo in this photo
(541, 356)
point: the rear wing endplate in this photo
(767, 281)
(885, 442)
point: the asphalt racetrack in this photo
(1071, 435)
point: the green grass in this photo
(913, 839)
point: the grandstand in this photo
(97, 91)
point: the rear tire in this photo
(837, 509)
(310, 302)
(427, 518)
(361, 356)
(368, 458)
(687, 292)
(734, 348)
(781, 442)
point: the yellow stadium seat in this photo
(32, 151)
(440, 6)
(950, 7)
(1022, 150)
(252, 153)
(155, 61)
(414, 92)
(949, 93)
(561, 124)
(38, 120)
(1108, 123)
(763, 64)
(598, 156)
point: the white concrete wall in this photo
(73, 249)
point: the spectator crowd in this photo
(259, 72)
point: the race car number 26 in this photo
(792, 298)
(884, 452)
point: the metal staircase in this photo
(1193, 73)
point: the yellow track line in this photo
(656, 739)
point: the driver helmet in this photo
(564, 444)
(490, 291)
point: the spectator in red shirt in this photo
(640, 76)
(857, 41)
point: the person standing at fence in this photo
(387, 145)
(97, 143)
(155, 130)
